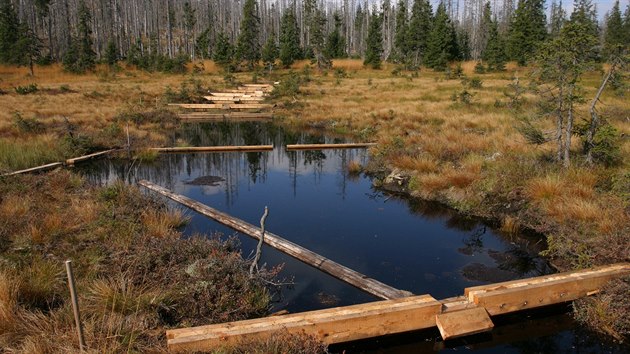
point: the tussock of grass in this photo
(17, 154)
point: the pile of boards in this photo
(231, 103)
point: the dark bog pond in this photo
(315, 202)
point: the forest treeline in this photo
(164, 34)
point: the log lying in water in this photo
(329, 146)
(72, 161)
(42, 168)
(334, 325)
(309, 257)
(247, 148)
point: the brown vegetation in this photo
(135, 275)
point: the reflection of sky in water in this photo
(314, 202)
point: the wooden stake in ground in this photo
(260, 243)
(75, 305)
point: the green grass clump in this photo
(17, 154)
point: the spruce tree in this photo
(614, 38)
(318, 44)
(270, 52)
(562, 61)
(558, 17)
(419, 29)
(203, 44)
(80, 57)
(289, 38)
(626, 26)
(247, 44)
(585, 13)
(224, 52)
(440, 42)
(527, 30)
(111, 53)
(401, 42)
(374, 45)
(462, 44)
(27, 49)
(494, 52)
(9, 32)
(336, 44)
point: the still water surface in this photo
(315, 202)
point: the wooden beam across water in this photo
(42, 168)
(546, 290)
(375, 319)
(245, 148)
(309, 257)
(334, 325)
(74, 160)
(329, 146)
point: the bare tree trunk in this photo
(569, 129)
(559, 125)
(592, 129)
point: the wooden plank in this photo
(35, 169)
(329, 146)
(463, 323)
(250, 148)
(309, 257)
(236, 94)
(334, 325)
(233, 99)
(542, 291)
(246, 91)
(222, 106)
(259, 85)
(90, 156)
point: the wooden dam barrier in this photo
(329, 146)
(245, 148)
(342, 324)
(309, 257)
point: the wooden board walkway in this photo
(246, 148)
(329, 146)
(311, 258)
(222, 105)
(375, 319)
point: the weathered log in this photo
(329, 146)
(250, 148)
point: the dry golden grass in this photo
(163, 223)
